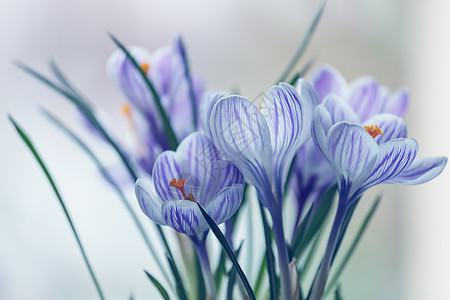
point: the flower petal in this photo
(367, 97)
(288, 118)
(339, 110)
(327, 80)
(352, 153)
(394, 157)
(148, 201)
(184, 216)
(320, 127)
(309, 101)
(166, 168)
(391, 125)
(421, 170)
(240, 131)
(225, 203)
(206, 106)
(397, 103)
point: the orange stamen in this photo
(126, 109)
(373, 130)
(179, 184)
(144, 67)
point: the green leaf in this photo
(84, 107)
(260, 276)
(61, 202)
(302, 72)
(162, 113)
(158, 285)
(303, 44)
(220, 270)
(187, 74)
(312, 223)
(232, 276)
(269, 255)
(201, 289)
(311, 255)
(181, 292)
(116, 188)
(353, 245)
(337, 293)
(215, 229)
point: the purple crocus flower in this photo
(193, 174)
(262, 141)
(165, 69)
(312, 174)
(362, 156)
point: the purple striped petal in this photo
(320, 127)
(309, 102)
(327, 80)
(394, 157)
(148, 201)
(397, 103)
(392, 127)
(206, 106)
(285, 114)
(352, 153)
(367, 97)
(240, 131)
(226, 203)
(184, 216)
(421, 171)
(339, 110)
(166, 168)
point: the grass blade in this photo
(179, 284)
(158, 285)
(353, 245)
(61, 202)
(187, 73)
(108, 177)
(162, 113)
(232, 276)
(302, 72)
(215, 229)
(303, 44)
(269, 255)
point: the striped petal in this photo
(421, 171)
(320, 127)
(397, 103)
(184, 216)
(288, 118)
(206, 106)
(226, 203)
(339, 110)
(327, 80)
(240, 131)
(149, 202)
(394, 157)
(352, 153)
(391, 125)
(367, 97)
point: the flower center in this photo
(144, 67)
(373, 130)
(179, 184)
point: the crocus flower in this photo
(193, 174)
(312, 174)
(165, 69)
(262, 141)
(362, 156)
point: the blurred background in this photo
(243, 45)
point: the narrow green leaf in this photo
(201, 289)
(302, 72)
(116, 188)
(220, 270)
(61, 202)
(187, 74)
(337, 293)
(232, 276)
(181, 292)
(260, 276)
(353, 245)
(311, 255)
(215, 229)
(269, 255)
(303, 44)
(162, 113)
(84, 107)
(158, 285)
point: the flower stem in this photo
(283, 259)
(200, 247)
(320, 280)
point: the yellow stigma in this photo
(373, 130)
(144, 67)
(126, 109)
(179, 185)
